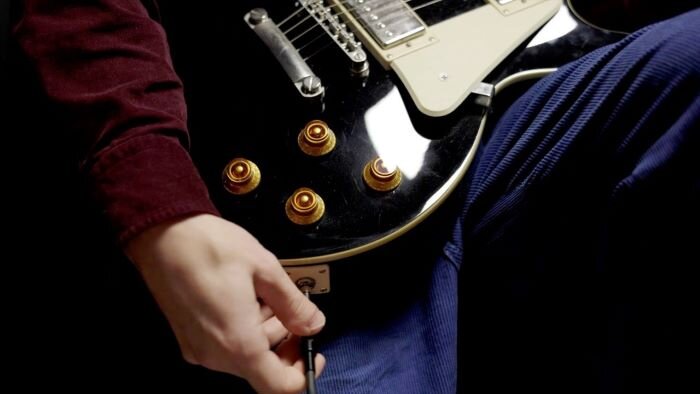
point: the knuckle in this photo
(269, 270)
(270, 257)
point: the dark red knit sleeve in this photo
(106, 69)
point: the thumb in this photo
(299, 315)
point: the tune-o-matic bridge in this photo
(390, 22)
(328, 19)
(308, 84)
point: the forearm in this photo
(106, 70)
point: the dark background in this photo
(79, 317)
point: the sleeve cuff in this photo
(145, 181)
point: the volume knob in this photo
(378, 176)
(241, 176)
(316, 138)
(304, 206)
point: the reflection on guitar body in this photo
(356, 118)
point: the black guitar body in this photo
(243, 105)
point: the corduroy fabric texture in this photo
(582, 179)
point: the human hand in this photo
(207, 274)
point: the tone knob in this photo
(316, 139)
(379, 177)
(241, 176)
(304, 206)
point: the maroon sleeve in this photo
(106, 69)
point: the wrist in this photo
(146, 246)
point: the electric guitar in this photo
(352, 120)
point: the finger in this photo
(275, 331)
(289, 352)
(291, 377)
(270, 374)
(291, 307)
(320, 360)
(266, 312)
(319, 364)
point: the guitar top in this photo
(327, 129)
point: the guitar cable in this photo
(526, 75)
(309, 354)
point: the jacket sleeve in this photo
(106, 70)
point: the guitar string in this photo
(301, 8)
(426, 5)
(306, 31)
(315, 25)
(319, 50)
(285, 20)
(310, 16)
(306, 18)
(329, 43)
(310, 42)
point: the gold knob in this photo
(304, 206)
(379, 177)
(316, 139)
(241, 176)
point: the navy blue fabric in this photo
(572, 265)
(577, 256)
(406, 347)
(621, 109)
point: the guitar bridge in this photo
(306, 82)
(338, 32)
(390, 22)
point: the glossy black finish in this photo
(241, 104)
(445, 9)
